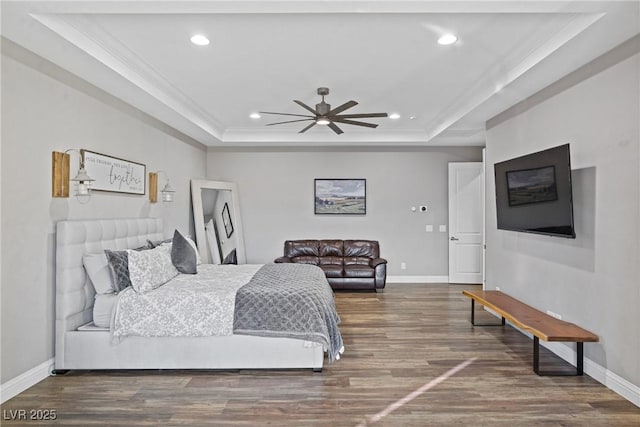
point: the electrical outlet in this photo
(403, 266)
(497, 288)
(552, 314)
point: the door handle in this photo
(453, 238)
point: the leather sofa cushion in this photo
(331, 248)
(361, 248)
(296, 248)
(306, 260)
(332, 270)
(356, 260)
(358, 271)
(324, 260)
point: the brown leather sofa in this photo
(347, 264)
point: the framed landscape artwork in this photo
(340, 196)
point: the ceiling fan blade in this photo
(312, 124)
(362, 115)
(289, 121)
(285, 114)
(342, 107)
(353, 122)
(335, 128)
(305, 106)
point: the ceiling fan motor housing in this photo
(323, 108)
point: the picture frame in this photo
(226, 220)
(114, 174)
(340, 196)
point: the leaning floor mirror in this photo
(216, 216)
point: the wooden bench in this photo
(539, 324)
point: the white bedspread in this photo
(189, 305)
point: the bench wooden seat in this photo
(541, 325)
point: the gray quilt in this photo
(291, 301)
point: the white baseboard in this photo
(612, 381)
(23, 381)
(417, 279)
(599, 373)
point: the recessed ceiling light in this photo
(200, 40)
(412, 117)
(394, 116)
(447, 39)
(254, 115)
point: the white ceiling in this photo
(264, 54)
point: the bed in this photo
(80, 344)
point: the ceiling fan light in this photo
(322, 121)
(394, 116)
(447, 39)
(200, 40)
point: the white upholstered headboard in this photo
(74, 291)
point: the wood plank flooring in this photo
(396, 342)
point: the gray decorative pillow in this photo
(183, 254)
(157, 243)
(119, 266)
(231, 258)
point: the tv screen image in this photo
(532, 186)
(534, 193)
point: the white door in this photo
(466, 222)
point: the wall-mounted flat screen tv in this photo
(533, 193)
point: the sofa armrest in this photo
(282, 259)
(377, 261)
(380, 267)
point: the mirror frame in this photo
(197, 185)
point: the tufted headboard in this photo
(74, 291)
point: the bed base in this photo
(93, 349)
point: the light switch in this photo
(442, 228)
(428, 228)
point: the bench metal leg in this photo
(473, 322)
(579, 360)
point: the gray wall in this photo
(594, 280)
(40, 114)
(277, 200)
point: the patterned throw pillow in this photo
(119, 266)
(150, 269)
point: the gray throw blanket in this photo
(291, 301)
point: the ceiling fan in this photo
(324, 115)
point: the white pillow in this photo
(97, 267)
(195, 248)
(150, 269)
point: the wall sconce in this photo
(60, 177)
(166, 192)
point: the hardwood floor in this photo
(397, 342)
